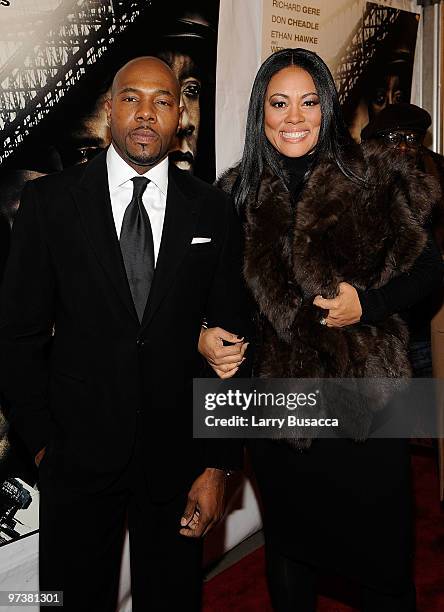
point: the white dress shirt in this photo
(121, 193)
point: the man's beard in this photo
(143, 159)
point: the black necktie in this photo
(136, 244)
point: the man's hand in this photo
(344, 309)
(206, 504)
(225, 360)
(39, 456)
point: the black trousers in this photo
(293, 588)
(81, 539)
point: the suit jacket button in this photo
(140, 342)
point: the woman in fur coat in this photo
(334, 246)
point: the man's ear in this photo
(179, 126)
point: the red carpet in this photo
(242, 588)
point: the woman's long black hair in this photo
(334, 136)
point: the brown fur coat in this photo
(338, 231)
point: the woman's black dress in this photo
(341, 506)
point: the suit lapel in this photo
(181, 215)
(94, 205)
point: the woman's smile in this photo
(294, 136)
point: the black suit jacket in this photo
(80, 373)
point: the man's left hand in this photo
(206, 504)
(344, 309)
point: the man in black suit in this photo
(113, 266)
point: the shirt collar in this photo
(119, 172)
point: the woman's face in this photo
(292, 112)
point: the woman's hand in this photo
(344, 309)
(225, 360)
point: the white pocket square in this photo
(200, 240)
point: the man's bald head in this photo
(144, 112)
(141, 65)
